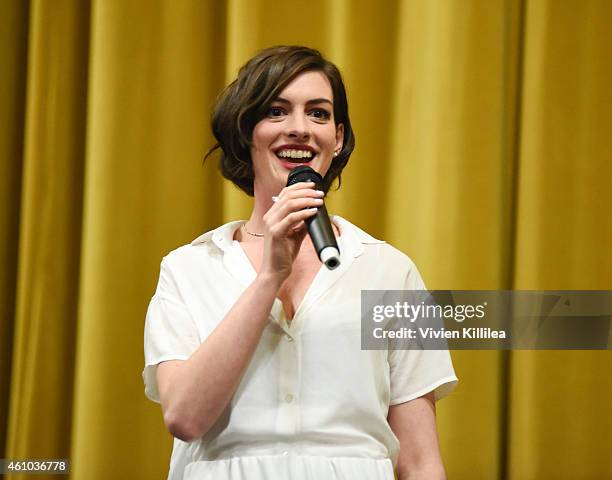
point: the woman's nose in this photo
(298, 126)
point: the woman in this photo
(251, 346)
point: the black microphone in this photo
(319, 226)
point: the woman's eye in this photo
(275, 112)
(320, 114)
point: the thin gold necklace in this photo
(251, 233)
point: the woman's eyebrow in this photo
(309, 102)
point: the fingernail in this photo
(320, 192)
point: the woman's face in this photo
(299, 129)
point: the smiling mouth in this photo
(295, 156)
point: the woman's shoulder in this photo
(363, 242)
(207, 245)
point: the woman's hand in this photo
(285, 229)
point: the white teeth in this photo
(295, 154)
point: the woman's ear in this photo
(339, 137)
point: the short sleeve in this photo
(415, 372)
(170, 332)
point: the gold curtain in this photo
(483, 151)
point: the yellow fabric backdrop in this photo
(483, 151)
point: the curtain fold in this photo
(40, 412)
(13, 55)
(153, 76)
(483, 152)
(561, 401)
(450, 166)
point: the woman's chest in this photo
(295, 287)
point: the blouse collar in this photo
(352, 237)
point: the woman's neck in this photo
(255, 222)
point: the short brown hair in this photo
(245, 101)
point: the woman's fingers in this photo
(299, 227)
(283, 226)
(279, 223)
(296, 204)
(282, 218)
(291, 221)
(299, 190)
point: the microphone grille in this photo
(304, 174)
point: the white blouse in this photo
(312, 404)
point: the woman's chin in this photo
(291, 165)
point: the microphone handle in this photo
(322, 236)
